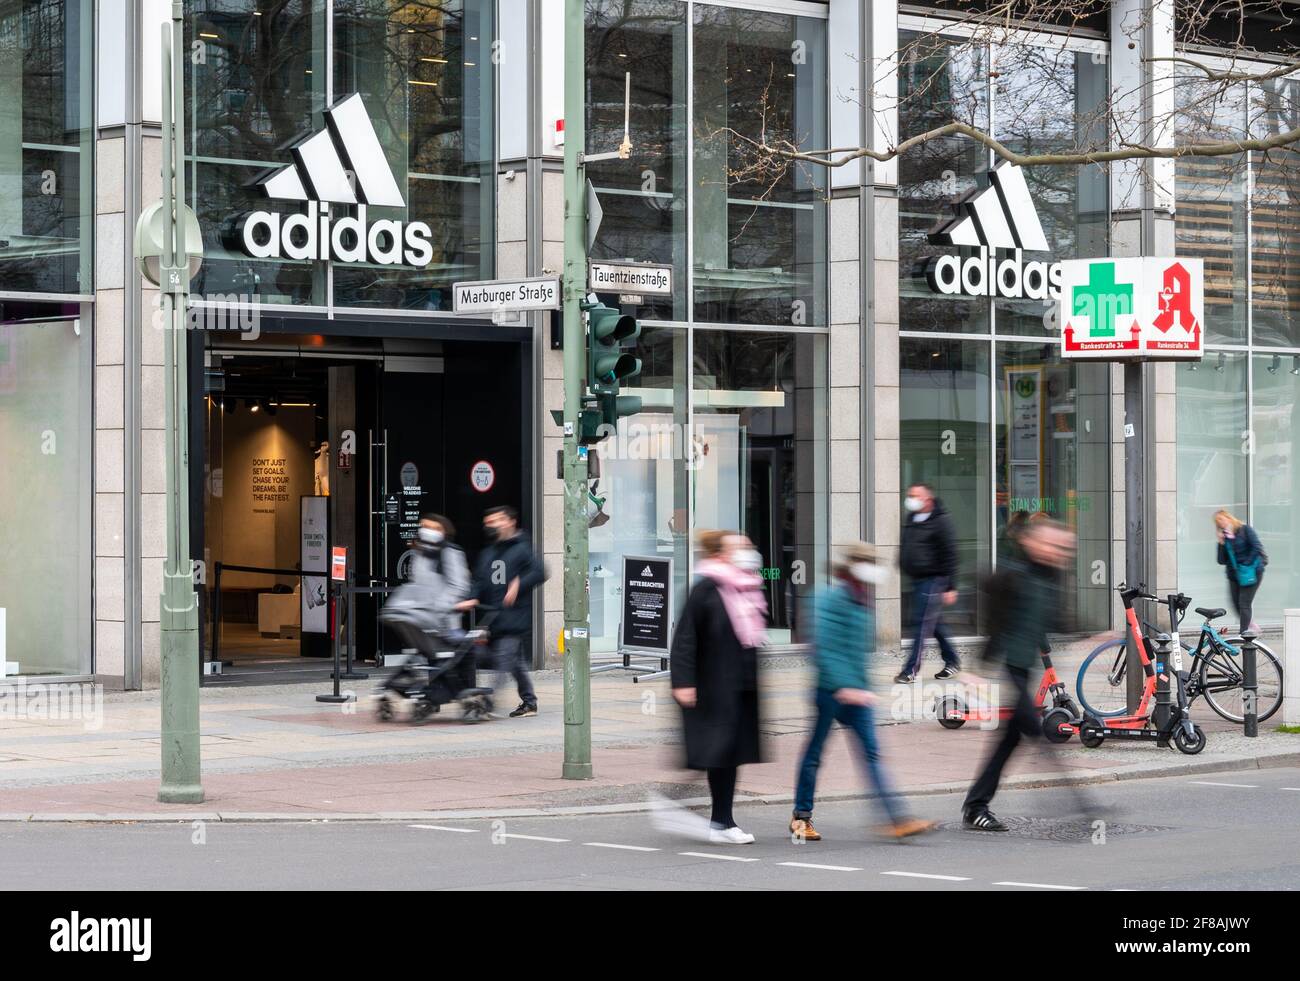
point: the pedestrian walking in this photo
(439, 573)
(844, 639)
(1024, 603)
(505, 575)
(928, 557)
(715, 671)
(1242, 554)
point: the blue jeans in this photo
(859, 719)
(924, 619)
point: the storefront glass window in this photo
(644, 200)
(758, 457)
(939, 81)
(1276, 514)
(1053, 445)
(45, 498)
(424, 71)
(759, 236)
(638, 504)
(46, 153)
(1212, 464)
(1210, 220)
(944, 437)
(1275, 217)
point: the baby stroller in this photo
(442, 670)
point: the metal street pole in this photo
(179, 612)
(577, 665)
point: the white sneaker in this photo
(730, 836)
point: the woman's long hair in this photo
(1232, 518)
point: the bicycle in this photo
(1215, 673)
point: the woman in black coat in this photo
(715, 670)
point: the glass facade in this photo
(990, 415)
(46, 146)
(1237, 439)
(733, 428)
(257, 84)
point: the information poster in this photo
(1025, 445)
(647, 604)
(314, 533)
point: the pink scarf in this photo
(742, 596)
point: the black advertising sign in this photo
(647, 603)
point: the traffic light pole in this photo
(577, 664)
(179, 605)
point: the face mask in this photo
(430, 536)
(489, 533)
(748, 559)
(913, 504)
(869, 572)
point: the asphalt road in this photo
(1221, 832)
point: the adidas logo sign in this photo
(1001, 216)
(646, 571)
(319, 176)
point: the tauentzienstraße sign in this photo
(493, 295)
(638, 278)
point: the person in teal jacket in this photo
(844, 635)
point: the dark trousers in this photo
(925, 619)
(859, 720)
(511, 654)
(1243, 598)
(722, 788)
(1024, 721)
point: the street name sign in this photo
(638, 278)
(498, 295)
(1149, 309)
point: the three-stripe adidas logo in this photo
(1000, 216)
(343, 164)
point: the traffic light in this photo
(608, 362)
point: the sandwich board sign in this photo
(1145, 309)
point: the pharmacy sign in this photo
(1148, 309)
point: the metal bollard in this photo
(1249, 683)
(1163, 645)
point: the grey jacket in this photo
(439, 580)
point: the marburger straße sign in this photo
(1146, 308)
(639, 278)
(492, 295)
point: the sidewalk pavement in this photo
(276, 753)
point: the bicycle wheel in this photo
(1220, 677)
(1101, 684)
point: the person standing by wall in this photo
(715, 671)
(1242, 554)
(927, 555)
(505, 575)
(844, 638)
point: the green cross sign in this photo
(1102, 300)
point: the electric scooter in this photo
(1059, 723)
(1188, 737)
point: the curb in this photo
(1028, 781)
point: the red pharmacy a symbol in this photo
(1175, 299)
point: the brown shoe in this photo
(803, 829)
(910, 826)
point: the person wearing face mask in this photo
(1242, 555)
(439, 572)
(844, 633)
(505, 575)
(714, 661)
(927, 555)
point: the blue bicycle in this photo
(1215, 672)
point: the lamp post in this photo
(168, 250)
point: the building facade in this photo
(349, 161)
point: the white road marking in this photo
(930, 875)
(720, 858)
(1290, 788)
(440, 827)
(629, 848)
(1038, 885)
(826, 868)
(1211, 783)
(536, 838)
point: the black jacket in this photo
(722, 729)
(928, 549)
(491, 581)
(1246, 549)
(1019, 605)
